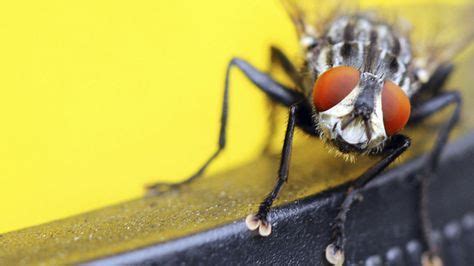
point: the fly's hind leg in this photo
(437, 81)
(423, 110)
(394, 148)
(279, 59)
(276, 91)
(436, 101)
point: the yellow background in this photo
(98, 98)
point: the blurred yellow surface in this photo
(98, 98)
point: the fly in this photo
(363, 79)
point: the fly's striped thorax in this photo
(365, 44)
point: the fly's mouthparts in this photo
(352, 118)
(348, 121)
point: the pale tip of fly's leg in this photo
(431, 260)
(265, 228)
(252, 222)
(334, 255)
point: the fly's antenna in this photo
(348, 122)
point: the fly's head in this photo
(358, 111)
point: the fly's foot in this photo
(254, 222)
(428, 259)
(334, 255)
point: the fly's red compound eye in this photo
(396, 108)
(333, 86)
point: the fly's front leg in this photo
(420, 112)
(335, 251)
(276, 91)
(260, 221)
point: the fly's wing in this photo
(438, 29)
(312, 16)
(311, 19)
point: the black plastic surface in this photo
(382, 230)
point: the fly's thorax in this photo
(365, 43)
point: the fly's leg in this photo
(279, 59)
(437, 80)
(422, 111)
(260, 221)
(276, 91)
(335, 251)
